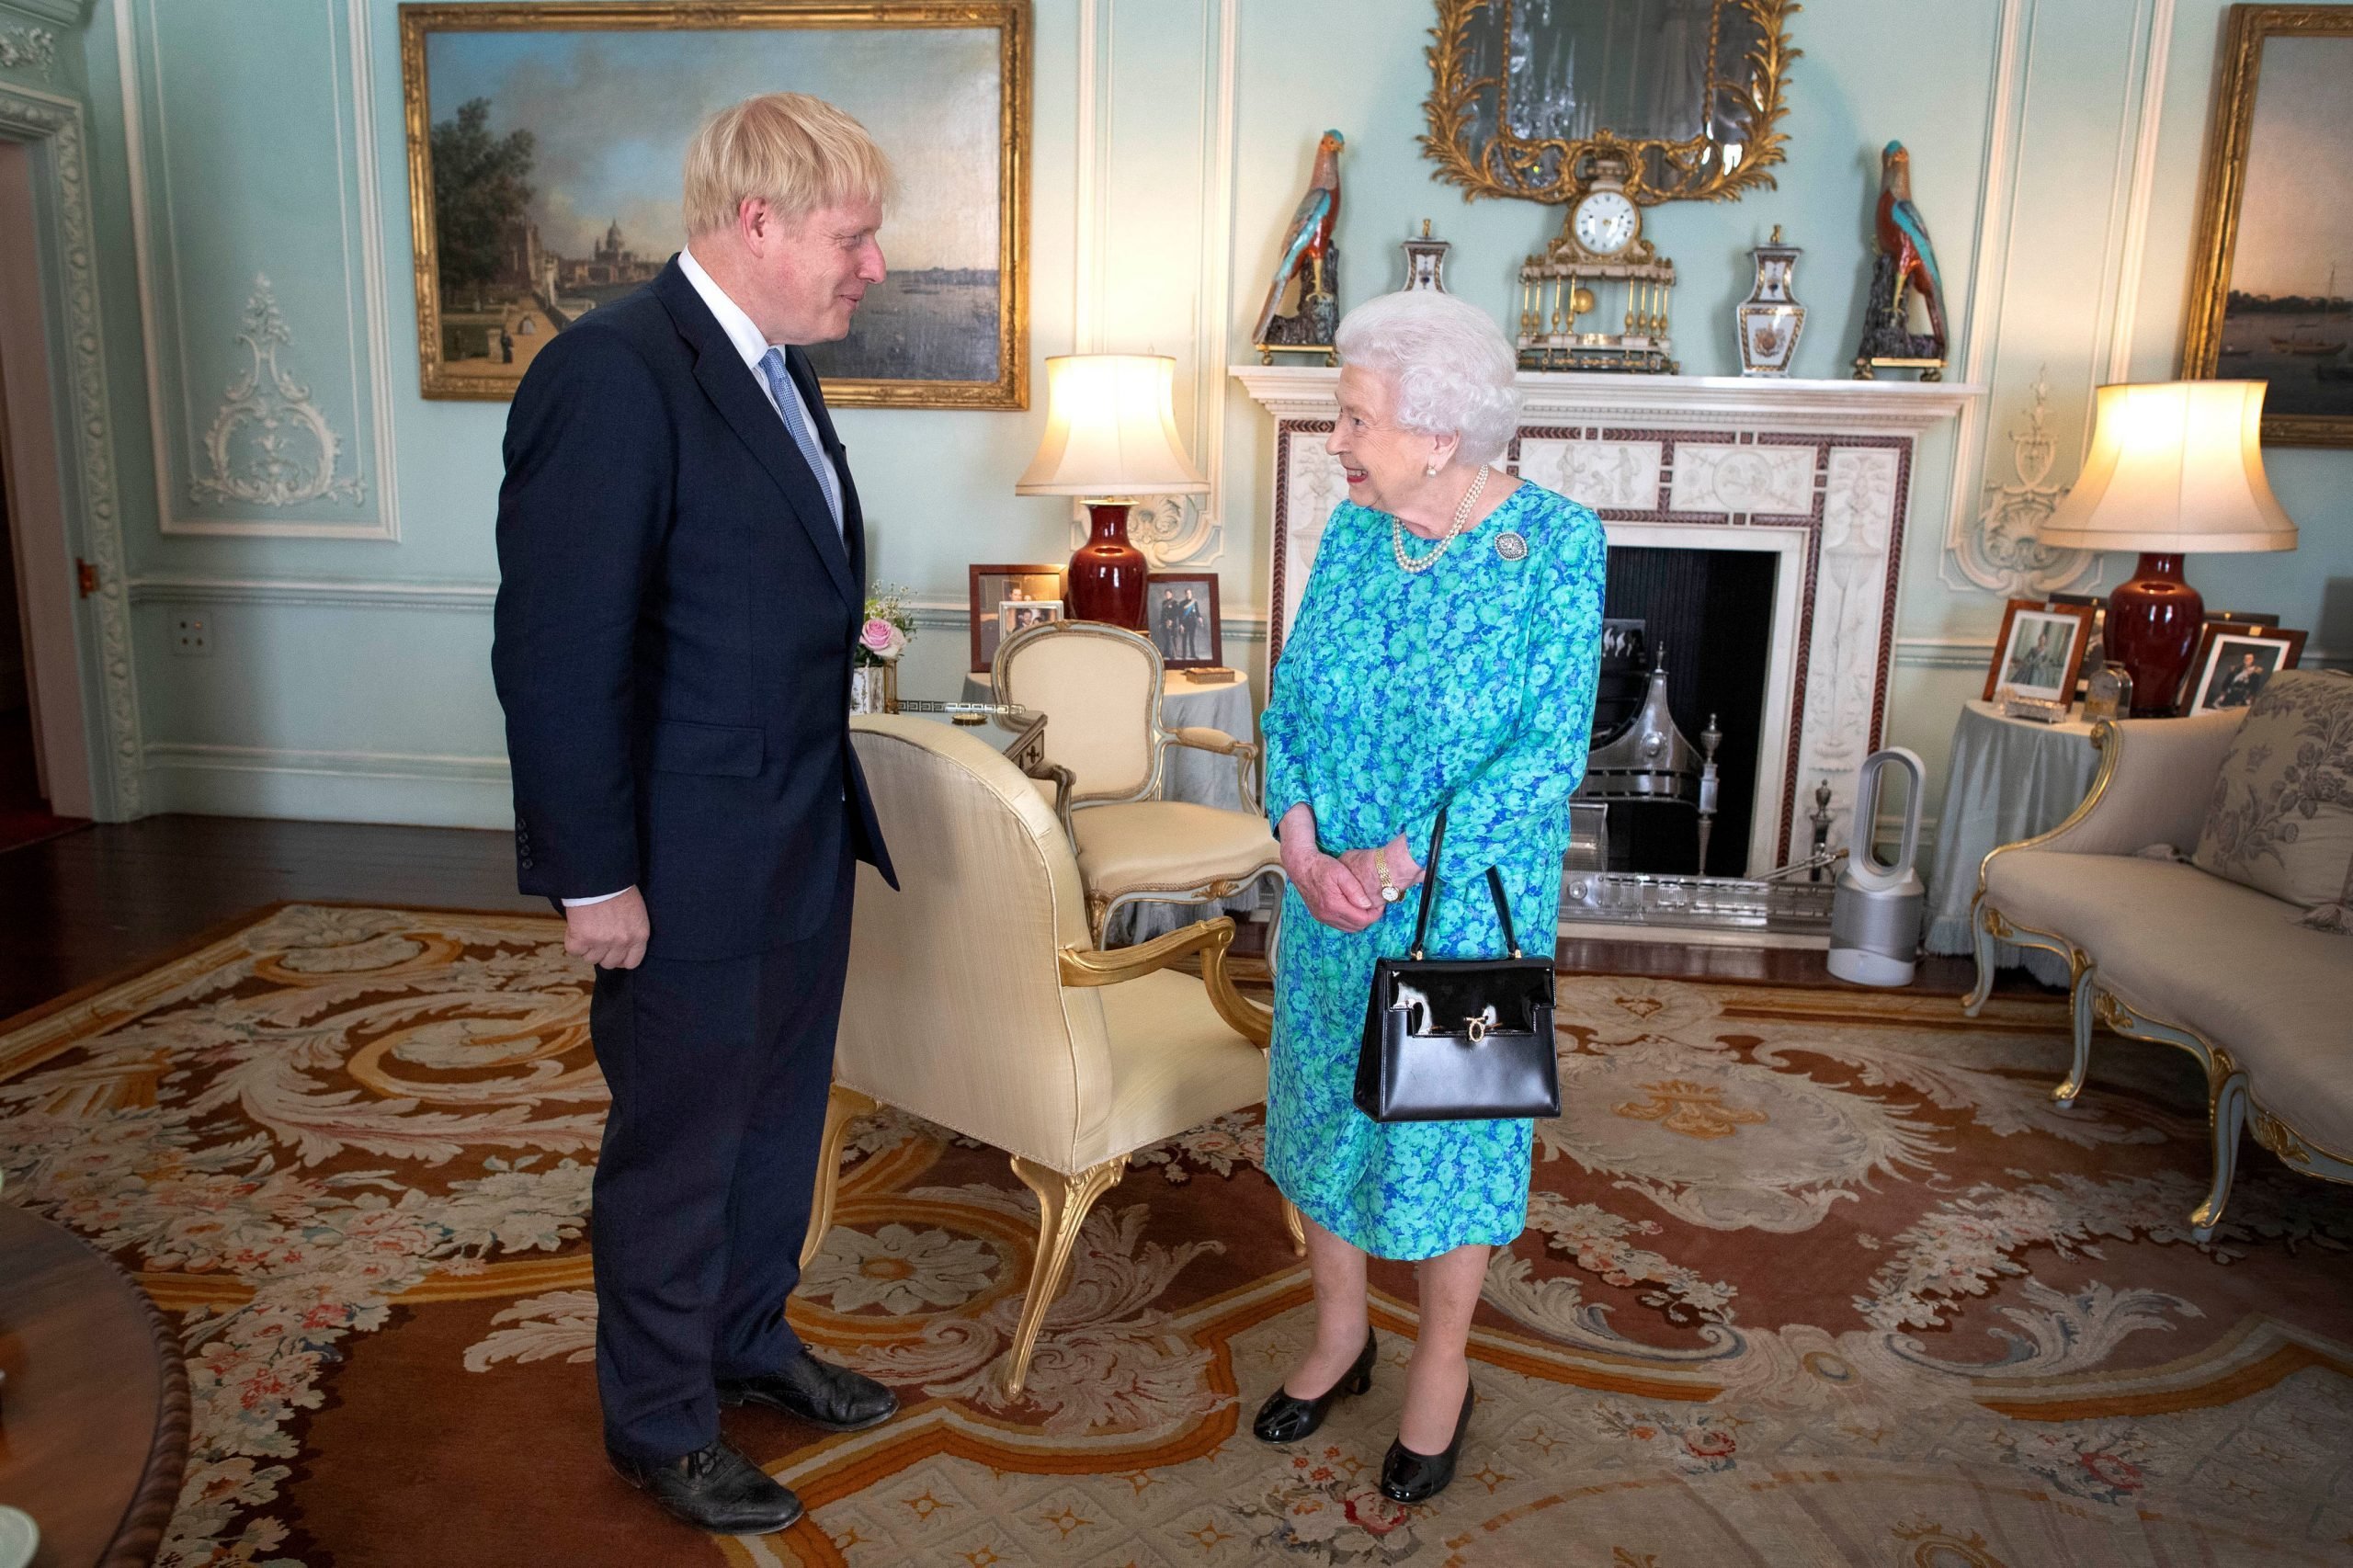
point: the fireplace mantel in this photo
(1752, 403)
(1818, 473)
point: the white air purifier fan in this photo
(1875, 913)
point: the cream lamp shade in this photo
(1110, 430)
(2175, 467)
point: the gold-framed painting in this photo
(546, 142)
(2271, 295)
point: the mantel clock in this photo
(1598, 272)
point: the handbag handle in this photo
(1429, 881)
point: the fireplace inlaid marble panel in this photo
(1817, 472)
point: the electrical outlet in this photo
(192, 636)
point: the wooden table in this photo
(94, 1417)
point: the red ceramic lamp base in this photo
(1106, 573)
(2152, 630)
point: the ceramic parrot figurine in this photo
(1308, 239)
(1903, 235)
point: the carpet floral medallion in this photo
(1810, 1277)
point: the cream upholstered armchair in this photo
(976, 998)
(1099, 688)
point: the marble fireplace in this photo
(1818, 474)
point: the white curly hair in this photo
(1446, 361)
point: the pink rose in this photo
(882, 639)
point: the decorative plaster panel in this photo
(1742, 480)
(32, 50)
(285, 449)
(1816, 471)
(1606, 473)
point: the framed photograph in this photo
(2234, 663)
(2040, 650)
(546, 143)
(1180, 616)
(991, 588)
(1020, 615)
(2271, 286)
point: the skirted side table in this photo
(2011, 779)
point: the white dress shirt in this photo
(753, 346)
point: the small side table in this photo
(95, 1426)
(2011, 779)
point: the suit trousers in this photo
(719, 1072)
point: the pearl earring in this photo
(1431, 471)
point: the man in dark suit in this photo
(683, 570)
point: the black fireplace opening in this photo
(1706, 615)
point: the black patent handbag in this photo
(1459, 1040)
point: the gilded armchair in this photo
(976, 998)
(1099, 688)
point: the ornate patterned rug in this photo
(1811, 1277)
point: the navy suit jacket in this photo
(674, 625)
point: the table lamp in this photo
(1110, 437)
(2174, 467)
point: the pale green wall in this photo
(350, 675)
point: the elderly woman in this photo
(1445, 655)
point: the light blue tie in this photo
(788, 403)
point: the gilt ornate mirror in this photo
(1689, 92)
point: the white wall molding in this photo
(336, 764)
(939, 614)
(27, 113)
(422, 788)
(350, 68)
(339, 593)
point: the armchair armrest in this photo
(1210, 939)
(2154, 780)
(1244, 753)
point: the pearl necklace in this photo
(1461, 516)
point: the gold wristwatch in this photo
(1390, 892)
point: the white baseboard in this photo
(318, 785)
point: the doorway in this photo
(25, 813)
(44, 760)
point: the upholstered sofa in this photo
(2258, 987)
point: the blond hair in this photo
(798, 152)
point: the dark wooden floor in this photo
(105, 902)
(110, 899)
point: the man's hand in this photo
(610, 934)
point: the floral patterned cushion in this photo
(2281, 818)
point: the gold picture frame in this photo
(2217, 341)
(445, 375)
(1550, 169)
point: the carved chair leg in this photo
(842, 1107)
(1298, 1230)
(2083, 1009)
(2228, 1117)
(1062, 1205)
(1980, 919)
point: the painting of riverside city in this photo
(555, 155)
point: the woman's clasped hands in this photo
(1342, 890)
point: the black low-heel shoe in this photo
(1409, 1477)
(1287, 1419)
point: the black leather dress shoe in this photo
(818, 1392)
(1409, 1477)
(714, 1489)
(1287, 1419)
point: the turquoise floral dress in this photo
(1470, 684)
